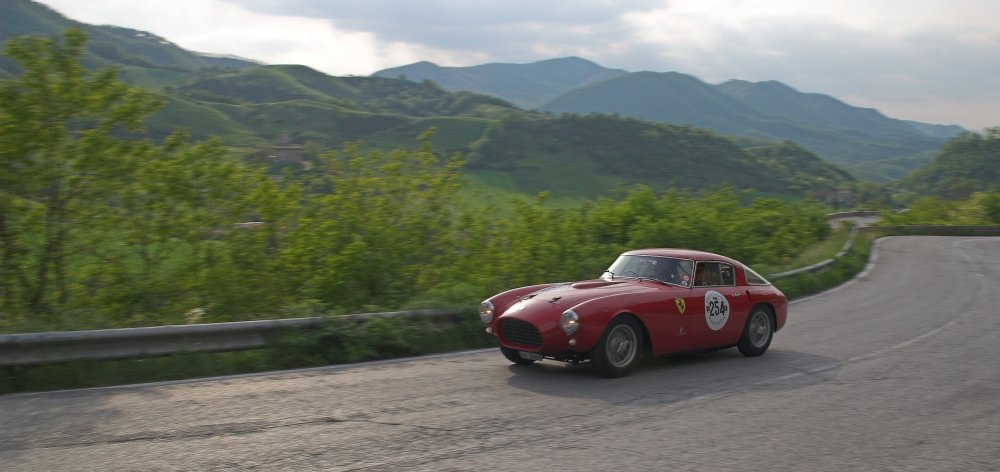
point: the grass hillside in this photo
(274, 84)
(268, 104)
(590, 155)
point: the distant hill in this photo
(862, 140)
(525, 85)
(572, 156)
(938, 131)
(108, 45)
(668, 97)
(967, 164)
(777, 99)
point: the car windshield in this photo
(668, 270)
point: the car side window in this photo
(753, 278)
(709, 274)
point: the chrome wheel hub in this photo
(622, 346)
(760, 329)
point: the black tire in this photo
(619, 349)
(514, 356)
(757, 332)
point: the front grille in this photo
(520, 332)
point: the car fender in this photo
(595, 314)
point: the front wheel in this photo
(619, 349)
(757, 332)
(514, 356)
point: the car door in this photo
(716, 305)
(739, 303)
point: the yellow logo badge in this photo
(680, 304)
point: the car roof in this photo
(682, 254)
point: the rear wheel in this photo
(618, 350)
(514, 356)
(757, 332)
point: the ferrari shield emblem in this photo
(680, 304)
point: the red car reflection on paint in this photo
(649, 302)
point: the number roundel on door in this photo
(716, 310)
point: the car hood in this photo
(565, 296)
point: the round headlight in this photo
(569, 321)
(486, 311)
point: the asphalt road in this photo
(899, 370)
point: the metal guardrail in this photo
(851, 236)
(121, 343)
(849, 214)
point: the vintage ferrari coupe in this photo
(649, 302)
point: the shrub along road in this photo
(893, 371)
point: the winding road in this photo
(897, 370)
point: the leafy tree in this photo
(96, 220)
(62, 156)
(371, 224)
(175, 224)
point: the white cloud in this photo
(218, 27)
(884, 54)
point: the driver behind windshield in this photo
(673, 271)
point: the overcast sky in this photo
(936, 61)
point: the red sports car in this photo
(650, 301)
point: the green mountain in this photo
(668, 97)
(777, 99)
(861, 140)
(525, 85)
(967, 164)
(938, 131)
